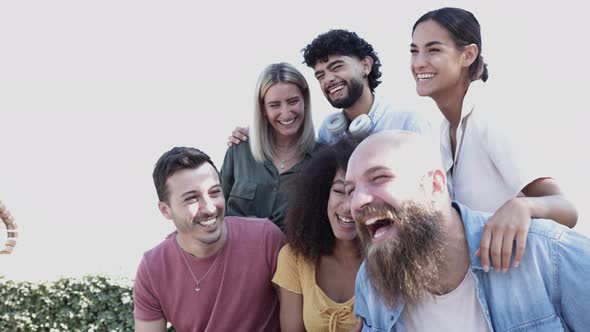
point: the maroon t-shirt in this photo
(236, 295)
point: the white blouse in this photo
(489, 167)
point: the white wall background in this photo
(93, 92)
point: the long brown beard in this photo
(405, 267)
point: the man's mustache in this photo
(377, 209)
(202, 217)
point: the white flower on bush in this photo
(125, 298)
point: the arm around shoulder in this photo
(546, 201)
(523, 171)
(239, 135)
(543, 199)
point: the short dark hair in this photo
(464, 29)
(308, 230)
(342, 42)
(178, 158)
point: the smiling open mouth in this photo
(335, 88)
(379, 227)
(207, 222)
(288, 122)
(345, 220)
(427, 76)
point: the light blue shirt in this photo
(549, 291)
(383, 117)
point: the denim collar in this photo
(473, 225)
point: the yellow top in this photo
(320, 313)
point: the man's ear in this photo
(470, 53)
(367, 65)
(165, 210)
(439, 184)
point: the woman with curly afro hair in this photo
(316, 270)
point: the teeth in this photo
(208, 222)
(288, 122)
(345, 220)
(336, 88)
(371, 221)
(378, 234)
(425, 76)
(381, 231)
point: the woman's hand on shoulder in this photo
(239, 135)
(509, 225)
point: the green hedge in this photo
(91, 303)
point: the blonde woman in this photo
(256, 175)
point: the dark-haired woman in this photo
(483, 168)
(316, 270)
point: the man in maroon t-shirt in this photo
(213, 273)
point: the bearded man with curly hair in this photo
(347, 69)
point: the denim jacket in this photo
(549, 291)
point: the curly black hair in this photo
(308, 230)
(342, 42)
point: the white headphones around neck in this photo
(359, 128)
